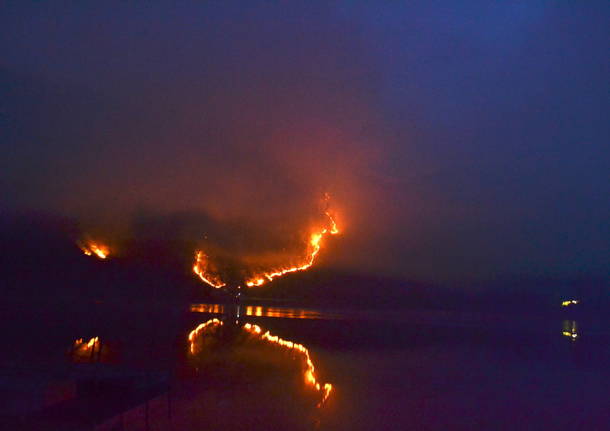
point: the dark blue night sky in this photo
(461, 141)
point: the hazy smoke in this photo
(449, 149)
(219, 141)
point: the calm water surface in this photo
(419, 370)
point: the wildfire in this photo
(255, 330)
(91, 248)
(313, 248)
(200, 268)
(92, 343)
(86, 351)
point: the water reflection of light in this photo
(208, 308)
(310, 377)
(255, 331)
(200, 329)
(570, 329)
(262, 311)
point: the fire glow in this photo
(314, 245)
(91, 248)
(91, 344)
(200, 267)
(198, 330)
(299, 349)
(86, 351)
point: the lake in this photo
(399, 369)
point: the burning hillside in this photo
(255, 275)
(92, 248)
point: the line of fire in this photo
(202, 267)
(231, 328)
(223, 347)
(94, 248)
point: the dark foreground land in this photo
(419, 370)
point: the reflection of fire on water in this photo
(198, 330)
(570, 329)
(256, 331)
(91, 248)
(310, 377)
(207, 308)
(266, 311)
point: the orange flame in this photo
(200, 268)
(83, 351)
(315, 243)
(82, 348)
(309, 373)
(91, 248)
(80, 343)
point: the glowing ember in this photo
(255, 330)
(200, 268)
(92, 343)
(91, 248)
(86, 351)
(314, 245)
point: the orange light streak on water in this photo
(198, 330)
(309, 374)
(256, 331)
